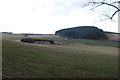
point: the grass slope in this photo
(52, 61)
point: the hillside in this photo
(24, 60)
(113, 36)
(82, 32)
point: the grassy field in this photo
(94, 42)
(61, 39)
(24, 60)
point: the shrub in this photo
(31, 40)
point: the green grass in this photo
(52, 61)
(12, 36)
(97, 59)
(94, 42)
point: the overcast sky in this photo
(47, 16)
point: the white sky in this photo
(47, 16)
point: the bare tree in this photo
(113, 4)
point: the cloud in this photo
(45, 16)
(56, 7)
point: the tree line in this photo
(83, 32)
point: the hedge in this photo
(31, 40)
